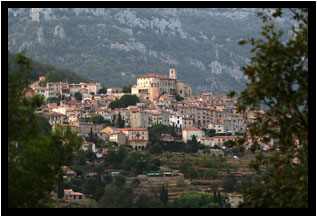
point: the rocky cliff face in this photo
(115, 46)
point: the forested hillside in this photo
(52, 73)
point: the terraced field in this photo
(179, 185)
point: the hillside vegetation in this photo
(115, 46)
(52, 73)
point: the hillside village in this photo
(212, 119)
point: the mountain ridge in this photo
(115, 46)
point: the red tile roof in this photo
(133, 129)
(192, 129)
(155, 76)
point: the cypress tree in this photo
(215, 198)
(60, 190)
(162, 194)
(166, 196)
(219, 199)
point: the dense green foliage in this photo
(98, 119)
(188, 169)
(179, 98)
(191, 145)
(195, 199)
(102, 90)
(35, 156)
(156, 148)
(78, 96)
(133, 162)
(52, 73)
(164, 195)
(278, 79)
(229, 183)
(116, 197)
(127, 89)
(124, 101)
(156, 131)
(147, 201)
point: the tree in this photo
(60, 189)
(164, 195)
(147, 201)
(34, 159)
(120, 181)
(90, 186)
(116, 197)
(219, 199)
(124, 101)
(98, 119)
(136, 182)
(278, 81)
(215, 198)
(211, 132)
(156, 131)
(195, 199)
(179, 98)
(193, 144)
(53, 100)
(78, 96)
(120, 121)
(107, 179)
(229, 183)
(103, 90)
(127, 89)
(156, 148)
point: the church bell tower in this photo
(173, 74)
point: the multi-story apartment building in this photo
(139, 118)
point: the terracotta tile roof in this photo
(77, 193)
(88, 143)
(133, 129)
(192, 129)
(156, 76)
(217, 123)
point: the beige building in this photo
(220, 140)
(137, 137)
(208, 141)
(151, 87)
(190, 131)
(188, 122)
(218, 127)
(114, 90)
(118, 137)
(138, 118)
(91, 87)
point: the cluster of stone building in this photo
(158, 105)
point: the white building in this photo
(86, 146)
(176, 120)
